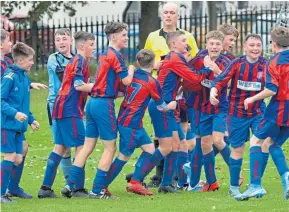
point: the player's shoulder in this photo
(282, 58)
(224, 59)
(9, 74)
(262, 60)
(154, 33)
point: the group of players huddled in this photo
(200, 103)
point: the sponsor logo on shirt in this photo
(207, 83)
(249, 86)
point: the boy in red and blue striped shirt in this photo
(247, 75)
(276, 118)
(68, 109)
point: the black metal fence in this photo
(258, 21)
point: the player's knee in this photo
(18, 160)
(59, 149)
(237, 153)
(206, 146)
(183, 146)
(67, 152)
(10, 157)
(123, 157)
(254, 141)
(25, 148)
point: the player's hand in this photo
(214, 67)
(158, 65)
(35, 125)
(213, 96)
(38, 86)
(20, 117)
(247, 102)
(207, 61)
(132, 67)
(172, 105)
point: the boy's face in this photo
(89, 48)
(214, 47)
(25, 62)
(180, 44)
(6, 46)
(229, 42)
(253, 48)
(63, 43)
(120, 39)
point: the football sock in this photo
(209, 165)
(157, 158)
(182, 159)
(143, 164)
(16, 176)
(265, 161)
(226, 152)
(196, 163)
(74, 174)
(190, 152)
(235, 169)
(79, 184)
(99, 182)
(279, 159)
(170, 165)
(51, 169)
(65, 165)
(255, 165)
(6, 171)
(114, 170)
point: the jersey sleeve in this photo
(80, 65)
(31, 118)
(223, 79)
(119, 66)
(6, 88)
(272, 77)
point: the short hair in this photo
(252, 35)
(173, 35)
(21, 50)
(4, 35)
(63, 31)
(171, 4)
(280, 35)
(228, 29)
(114, 27)
(145, 58)
(216, 34)
(82, 36)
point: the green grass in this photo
(40, 145)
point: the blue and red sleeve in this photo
(272, 75)
(80, 65)
(118, 65)
(156, 92)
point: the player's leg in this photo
(65, 163)
(8, 147)
(206, 131)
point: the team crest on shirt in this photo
(249, 86)
(207, 83)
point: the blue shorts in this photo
(194, 117)
(190, 135)
(130, 139)
(11, 141)
(239, 129)
(181, 131)
(164, 123)
(277, 133)
(69, 132)
(210, 123)
(100, 119)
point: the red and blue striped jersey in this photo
(206, 106)
(110, 70)
(277, 80)
(173, 69)
(70, 102)
(5, 63)
(247, 80)
(137, 96)
(227, 54)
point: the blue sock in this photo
(255, 165)
(278, 157)
(79, 184)
(216, 151)
(65, 165)
(226, 152)
(209, 165)
(99, 181)
(190, 152)
(235, 170)
(265, 161)
(142, 165)
(196, 163)
(182, 159)
(6, 171)
(51, 169)
(74, 175)
(169, 168)
(157, 157)
(16, 176)
(114, 170)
